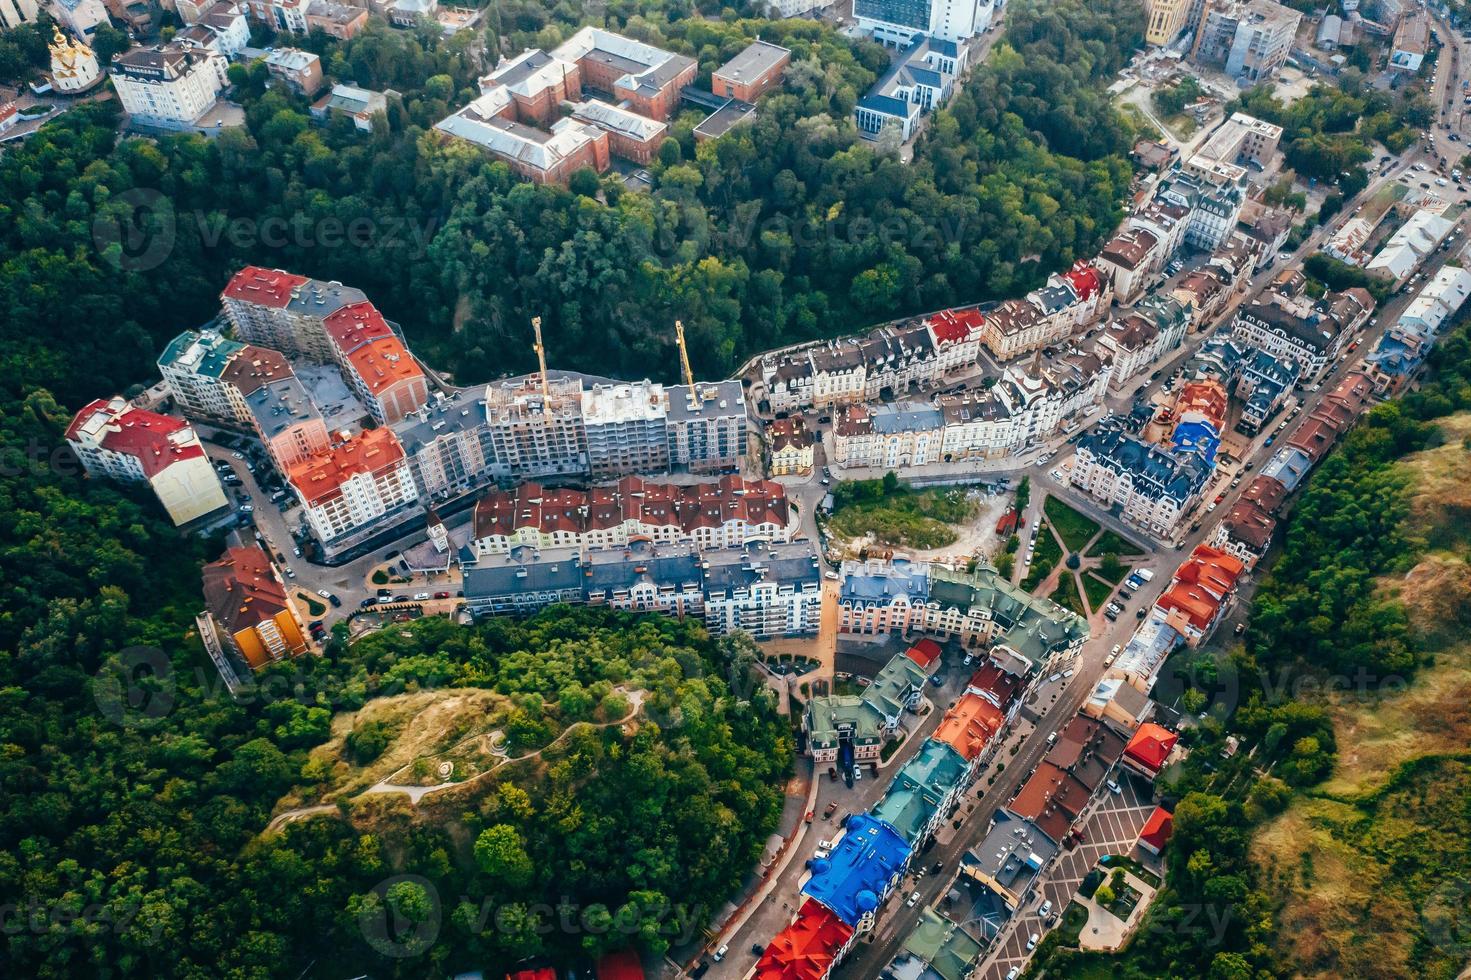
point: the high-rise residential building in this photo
(192, 366)
(169, 85)
(706, 426)
(354, 485)
(285, 312)
(112, 438)
(626, 428)
(1251, 39)
(537, 430)
(1165, 19)
(288, 422)
(448, 445)
(376, 363)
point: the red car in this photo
(808, 818)
(441, 595)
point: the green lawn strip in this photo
(1076, 529)
(1097, 591)
(1066, 594)
(1116, 543)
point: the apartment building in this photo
(727, 513)
(169, 85)
(1140, 337)
(1249, 39)
(301, 71)
(765, 589)
(537, 431)
(1213, 207)
(1294, 327)
(792, 447)
(247, 609)
(1128, 260)
(706, 426)
(282, 15)
(1200, 593)
(752, 73)
(1165, 20)
(1245, 533)
(978, 609)
(353, 485)
(887, 436)
(541, 156)
(339, 20)
(1151, 488)
(377, 365)
(114, 439)
(192, 366)
(901, 22)
(448, 445)
(625, 427)
(285, 418)
(284, 311)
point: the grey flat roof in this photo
(757, 59)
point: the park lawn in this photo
(1109, 541)
(1066, 594)
(1097, 591)
(905, 517)
(1074, 528)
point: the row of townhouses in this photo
(1404, 347)
(767, 589)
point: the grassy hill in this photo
(1372, 869)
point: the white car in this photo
(1032, 943)
(720, 953)
(324, 593)
(1046, 909)
(420, 596)
(913, 899)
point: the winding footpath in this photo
(417, 793)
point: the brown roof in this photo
(253, 366)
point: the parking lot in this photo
(1112, 828)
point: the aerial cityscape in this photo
(778, 490)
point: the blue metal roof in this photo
(860, 871)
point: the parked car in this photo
(441, 595)
(420, 596)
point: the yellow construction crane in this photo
(541, 359)
(684, 357)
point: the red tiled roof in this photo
(1151, 746)
(146, 436)
(320, 477)
(806, 949)
(687, 507)
(1212, 569)
(996, 684)
(265, 287)
(1084, 279)
(622, 965)
(239, 589)
(355, 325)
(1158, 828)
(955, 326)
(924, 652)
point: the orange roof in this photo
(806, 949)
(924, 652)
(265, 287)
(383, 363)
(1151, 746)
(1212, 569)
(969, 726)
(321, 476)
